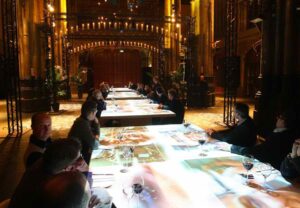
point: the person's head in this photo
(159, 91)
(285, 119)
(89, 110)
(61, 155)
(91, 91)
(97, 94)
(41, 125)
(140, 86)
(147, 87)
(155, 80)
(202, 77)
(241, 111)
(172, 94)
(65, 190)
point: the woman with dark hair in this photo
(277, 144)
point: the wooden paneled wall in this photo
(115, 67)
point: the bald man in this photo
(41, 126)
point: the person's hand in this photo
(160, 106)
(94, 201)
(96, 120)
(209, 131)
(296, 149)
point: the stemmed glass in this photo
(127, 154)
(134, 188)
(186, 124)
(202, 141)
(248, 163)
(265, 170)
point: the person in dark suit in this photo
(277, 144)
(41, 126)
(140, 89)
(62, 155)
(243, 134)
(98, 98)
(84, 127)
(175, 105)
(290, 166)
(160, 96)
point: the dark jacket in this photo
(290, 167)
(243, 135)
(101, 106)
(177, 107)
(163, 99)
(30, 186)
(35, 150)
(82, 130)
(273, 150)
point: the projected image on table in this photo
(141, 154)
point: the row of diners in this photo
(130, 147)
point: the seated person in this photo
(73, 191)
(277, 144)
(40, 138)
(90, 93)
(147, 90)
(62, 155)
(82, 129)
(160, 97)
(290, 166)
(101, 104)
(132, 86)
(156, 83)
(104, 88)
(243, 134)
(174, 105)
(140, 89)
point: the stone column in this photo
(203, 11)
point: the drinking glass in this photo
(186, 124)
(127, 154)
(202, 141)
(248, 163)
(138, 187)
(133, 189)
(265, 169)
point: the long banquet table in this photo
(133, 112)
(124, 95)
(166, 161)
(121, 89)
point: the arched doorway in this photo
(117, 67)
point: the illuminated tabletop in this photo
(166, 161)
(121, 89)
(124, 95)
(134, 112)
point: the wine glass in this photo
(248, 164)
(133, 189)
(265, 170)
(202, 141)
(186, 124)
(138, 187)
(127, 154)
